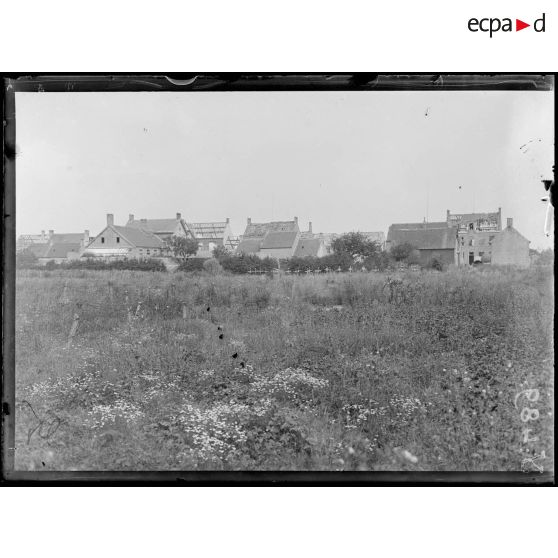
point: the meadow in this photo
(422, 371)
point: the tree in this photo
(182, 247)
(402, 251)
(356, 245)
(220, 252)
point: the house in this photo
(128, 242)
(473, 237)
(208, 235)
(510, 247)
(213, 234)
(61, 247)
(35, 242)
(434, 241)
(276, 239)
(310, 244)
(162, 228)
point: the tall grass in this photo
(330, 372)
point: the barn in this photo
(434, 241)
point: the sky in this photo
(346, 161)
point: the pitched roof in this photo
(139, 237)
(279, 239)
(416, 226)
(249, 246)
(308, 247)
(442, 238)
(154, 225)
(208, 230)
(261, 229)
(38, 249)
(61, 249)
(66, 237)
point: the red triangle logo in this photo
(519, 25)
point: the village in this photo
(464, 239)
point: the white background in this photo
(286, 35)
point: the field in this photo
(415, 371)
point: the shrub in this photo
(192, 264)
(212, 266)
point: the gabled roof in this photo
(161, 226)
(442, 238)
(416, 226)
(208, 230)
(510, 230)
(261, 229)
(38, 249)
(249, 246)
(308, 247)
(279, 239)
(61, 249)
(66, 237)
(139, 237)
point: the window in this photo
(471, 226)
(117, 240)
(490, 239)
(102, 239)
(471, 242)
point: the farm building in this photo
(434, 241)
(208, 235)
(277, 239)
(211, 235)
(162, 228)
(116, 242)
(510, 247)
(60, 247)
(35, 242)
(464, 239)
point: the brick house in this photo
(276, 239)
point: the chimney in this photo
(51, 233)
(296, 220)
(86, 236)
(178, 216)
(249, 221)
(43, 236)
(227, 220)
(110, 219)
(510, 222)
(448, 215)
(130, 217)
(309, 226)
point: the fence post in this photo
(73, 330)
(64, 298)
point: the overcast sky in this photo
(343, 160)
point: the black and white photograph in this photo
(308, 273)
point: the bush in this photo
(192, 264)
(212, 266)
(435, 264)
(101, 265)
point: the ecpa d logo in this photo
(492, 25)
